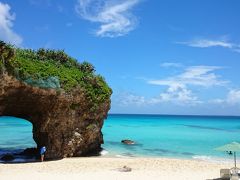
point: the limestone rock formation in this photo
(64, 122)
(64, 130)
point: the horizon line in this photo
(192, 115)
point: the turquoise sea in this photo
(155, 135)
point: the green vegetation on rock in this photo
(53, 69)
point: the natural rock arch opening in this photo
(16, 139)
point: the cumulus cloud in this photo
(194, 75)
(115, 17)
(178, 91)
(232, 98)
(206, 43)
(178, 94)
(6, 24)
(179, 88)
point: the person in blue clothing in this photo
(42, 152)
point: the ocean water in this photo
(155, 135)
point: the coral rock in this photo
(65, 131)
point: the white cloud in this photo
(206, 43)
(114, 17)
(126, 99)
(170, 64)
(194, 75)
(216, 101)
(237, 49)
(232, 98)
(6, 24)
(178, 95)
(179, 92)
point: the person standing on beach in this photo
(42, 153)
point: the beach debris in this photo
(125, 169)
(7, 157)
(127, 141)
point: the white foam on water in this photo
(120, 156)
(202, 157)
(104, 152)
(211, 159)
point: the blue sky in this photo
(161, 57)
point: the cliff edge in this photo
(65, 101)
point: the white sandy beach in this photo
(108, 169)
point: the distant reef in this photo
(65, 100)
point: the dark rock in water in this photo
(29, 152)
(7, 157)
(128, 142)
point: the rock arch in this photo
(63, 122)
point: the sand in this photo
(101, 168)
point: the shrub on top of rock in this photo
(54, 69)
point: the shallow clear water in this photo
(161, 136)
(170, 136)
(15, 134)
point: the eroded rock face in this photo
(63, 122)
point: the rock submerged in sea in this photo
(29, 152)
(128, 142)
(7, 157)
